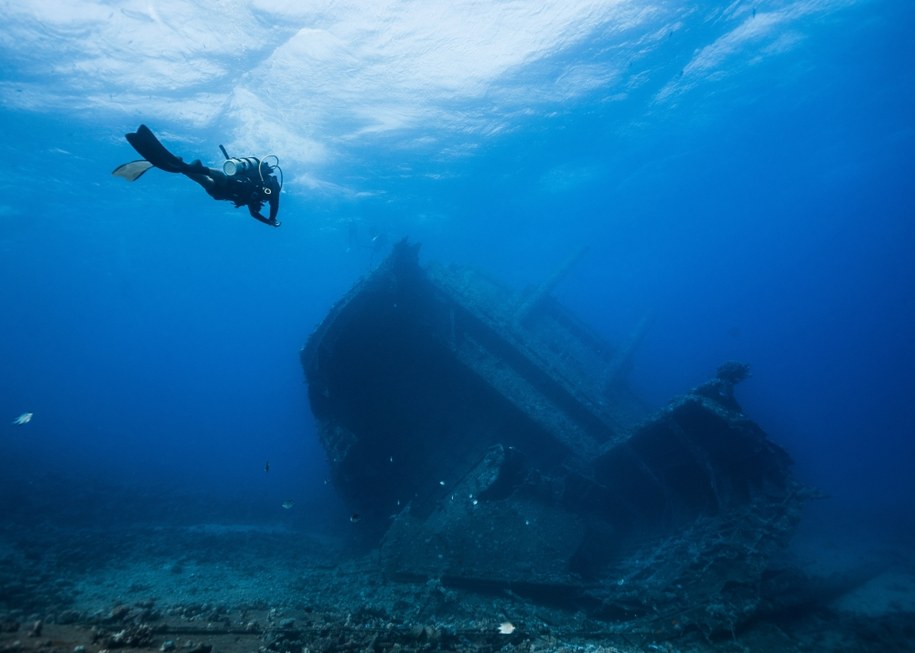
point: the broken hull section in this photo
(487, 439)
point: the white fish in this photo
(25, 418)
(506, 628)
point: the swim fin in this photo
(149, 147)
(133, 170)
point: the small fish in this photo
(355, 517)
(25, 418)
(506, 628)
(287, 504)
(267, 466)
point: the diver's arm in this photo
(272, 191)
(274, 200)
(255, 210)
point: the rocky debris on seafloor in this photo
(213, 614)
(280, 641)
(197, 647)
(133, 636)
(140, 612)
(389, 635)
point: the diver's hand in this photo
(256, 214)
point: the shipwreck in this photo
(487, 439)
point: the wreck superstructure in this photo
(487, 439)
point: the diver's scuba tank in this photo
(234, 166)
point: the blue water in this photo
(762, 212)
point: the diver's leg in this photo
(209, 185)
(213, 181)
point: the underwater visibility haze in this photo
(740, 175)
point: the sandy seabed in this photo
(238, 588)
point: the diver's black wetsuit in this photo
(252, 188)
(245, 189)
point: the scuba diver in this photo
(245, 182)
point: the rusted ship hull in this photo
(487, 439)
